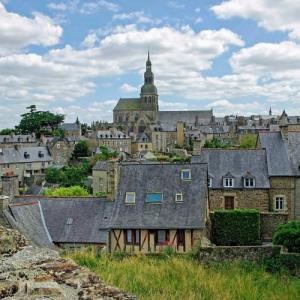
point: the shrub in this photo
(54, 175)
(66, 192)
(236, 227)
(288, 235)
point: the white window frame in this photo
(190, 174)
(249, 184)
(178, 197)
(278, 198)
(130, 194)
(209, 182)
(228, 182)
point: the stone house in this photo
(26, 162)
(19, 140)
(71, 129)
(60, 149)
(283, 157)
(142, 143)
(105, 178)
(114, 139)
(236, 178)
(159, 205)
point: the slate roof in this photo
(128, 104)
(143, 137)
(18, 138)
(28, 218)
(70, 126)
(111, 134)
(189, 117)
(283, 155)
(68, 220)
(166, 179)
(11, 155)
(100, 166)
(237, 163)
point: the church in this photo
(137, 114)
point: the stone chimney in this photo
(10, 185)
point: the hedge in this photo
(288, 235)
(240, 227)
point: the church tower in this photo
(149, 96)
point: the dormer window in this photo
(249, 182)
(130, 198)
(154, 197)
(186, 174)
(178, 197)
(228, 182)
(209, 182)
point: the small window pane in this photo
(154, 197)
(161, 236)
(129, 236)
(178, 197)
(186, 174)
(130, 198)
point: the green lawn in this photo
(183, 278)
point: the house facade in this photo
(236, 178)
(159, 205)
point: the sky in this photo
(79, 57)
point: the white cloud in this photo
(272, 15)
(127, 88)
(92, 6)
(198, 20)
(137, 16)
(58, 6)
(176, 5)
(90, 40)
(17, 32)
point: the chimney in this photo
(10, 185)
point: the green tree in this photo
(81, 149)
(6, 131)
(38, 121)
(66, 191)
(74, 176)
(54, 175)
(59, 132)
(216, 143)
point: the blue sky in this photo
(79, 57)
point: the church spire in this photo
(148, 75)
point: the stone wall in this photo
(243, 198)
(232, 253)
(29, 273)
(269, 222)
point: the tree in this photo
(54, 175)
(216, 143)
(81, 149)
(59, 132)
(38, 121)
(6, 131)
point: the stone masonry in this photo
(28, 273)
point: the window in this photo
(209, 182)
(178, 197)
(69, 221)
(130, 198)
(229, 202)
(132, 236)
(279, 203)
(162, 236)
(186, 175)
(249, 182)
(58, 146)
(154, 197)
(228, 182)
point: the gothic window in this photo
(120, 119)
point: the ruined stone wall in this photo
(29, 273)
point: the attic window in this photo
(69, 221)
(154, 197)
(26, 155)
(41, 154)
(179, 197)
(228, 182)
(249, 182)
(209, 182)
(186, 174)
(130, 198)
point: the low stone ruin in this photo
(28, 272)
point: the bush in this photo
(53, 175)
(238, 227)
(66, 192)
(288, 235)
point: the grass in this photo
(179, 277)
